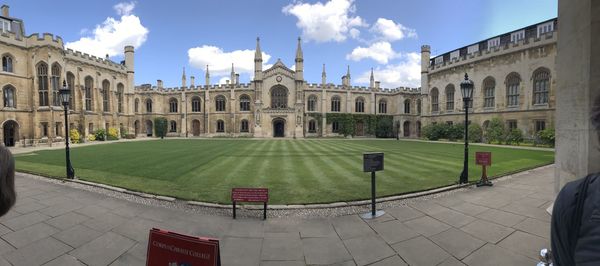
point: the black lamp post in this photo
(65, 94)
(466, 88)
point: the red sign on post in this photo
(483, 158)
(169, 248)
(250, 194)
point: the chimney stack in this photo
(159, 84)
(377, 83)
(237, 79)
(5, 10)
(192, 81)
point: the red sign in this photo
(169, 248)
(483, 158)
(250, 194)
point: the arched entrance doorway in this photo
(279, 128)
(10, 130)
(196, 127)
(360, 129)
(149, 128)
(406, 129)
(418, 129)
(136, 126)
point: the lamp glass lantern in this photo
(65, 94)
(466, 88)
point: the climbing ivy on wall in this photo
(379, 125)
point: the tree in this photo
(160, 124)
(385, 127)
(495, 130)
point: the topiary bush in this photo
(475, 133)
(100, 135)
(74, 135)
(161, 124)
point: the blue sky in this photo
(382, 34)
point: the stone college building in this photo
(512, 74)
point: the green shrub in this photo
(495, 131)
(100, 135)
(455, 132)
(547, 136)
(514, 136)
(385, 127)
(123, 132)
(112, 134)
(74, 135)
(475, 133)
(432, 132)
(160, 124)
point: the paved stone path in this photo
(501, 225)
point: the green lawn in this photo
(295, 171)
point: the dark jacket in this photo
(583, 249)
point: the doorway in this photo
(148, 128)
(360, 129)
(10, 133)
(196, 127)
(279, 128)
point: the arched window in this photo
(136, 106)
(9, 96)
(42, 71)
(173, 126)
(148, 106)
(312, 126)
(279, 97)
(172, 105)
(450, 97)
(383, 106)
(120, 89)
(220, 103)
(88, 85)
(244, 103)
(435, 97)
(244, 126)
(513, 82)
(195, 104)
(489, 91)
(335, 127)
(7, 63)
(71, 84)
(407, 106)
(541, 86)
(105, 95)
(220, 126)
(359, 105)
(56, 84)
(335, 103)
(418, 106)
(312, 103)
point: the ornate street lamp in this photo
(466, 88)
(65, 95)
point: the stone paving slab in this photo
(507, 224)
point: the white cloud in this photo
(406, 73)
(113, 35)
(388, 30)
(219, 61)
(224, 80)
(124, 9)
(381, 52)
(332, 21)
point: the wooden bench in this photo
(250, 195)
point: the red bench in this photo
(250, 195)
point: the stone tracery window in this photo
(220, 103)
(335, 103)
(450, 97)
(359, 105)
(173, 126)
(120, 89)
(56, 84)
(312, 126)
(435, 104)
(9, 96)
(489, 91)
(513, 82)
(312, 103)
(196, 104)
(383, 106)
(42, 71)
(105, 95)
(418, 106)
(279, 97)
(7, 63)
(244, 103)
(244, 126)
(407, 106)
(173, 105)
(148, 106)
(88, 85)
(541, 85)
(220, 126)
(136, 107)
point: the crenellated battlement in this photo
(333, 87)
(94, 60)
(527, 43)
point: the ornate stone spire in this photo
(372, 79)
(207, 77)
(299, 54)
(257, 52)
(323, 77)
(183, 79)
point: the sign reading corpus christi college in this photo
(372, 161)
(173, 249)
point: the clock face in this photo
(278, 78)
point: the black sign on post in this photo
(372, 162)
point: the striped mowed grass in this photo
(295, 171)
